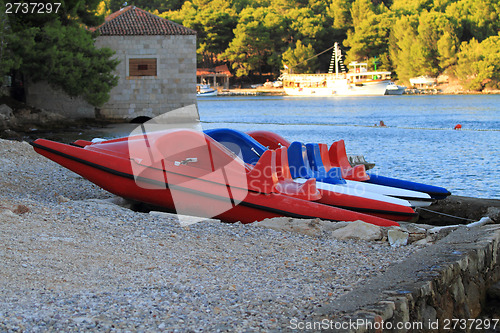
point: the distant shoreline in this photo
(440, 90)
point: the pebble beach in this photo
(73, 259)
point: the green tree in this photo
(214, 22)
(103, 9)
(370, 39)
(479, 63)
(317, 6)
(361, 10)
(479, 18)
(7, 60)
(424, 43)
(447, 47)
(405, 7)
(58, 49)
(300, 59)
(254, 44)
(437, 36)
(149, 5)
(405, 51)
(340, 12)
(304, 24)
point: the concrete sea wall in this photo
(441, 288)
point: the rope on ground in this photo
(448, 215)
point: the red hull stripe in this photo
(154, 182)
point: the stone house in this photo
(157, 69)
(158, 64)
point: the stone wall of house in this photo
(173, 87)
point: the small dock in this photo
(252, 92)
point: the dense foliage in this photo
(57, 48)
(459, 38)
(409, 37)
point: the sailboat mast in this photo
(336, 57)
(337, 54)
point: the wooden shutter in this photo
(142, 67)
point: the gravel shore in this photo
(74, 260)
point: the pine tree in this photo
(57, 48)
(300, 58)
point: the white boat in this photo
(357, 82)
(357, 192)
(204, 90)
(377, 192)
(394, 89)
(423, 81)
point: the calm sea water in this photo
(418, 144)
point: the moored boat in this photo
(204, 90)
(423, 81)
(300, 163)
(338, 158)
(394, 89)
(294, 164)
(357, 82)
(189, 173)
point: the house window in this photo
(142, 67)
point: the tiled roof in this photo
(135, 21)
(219, 70)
